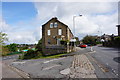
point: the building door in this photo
(58, 41)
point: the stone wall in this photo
(50, 50)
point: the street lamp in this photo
(118, 29)
(74, 28)
(74, 23)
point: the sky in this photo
(23, 21)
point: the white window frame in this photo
(55, 24)
(48, 32)
(59, 31)
(51, 25)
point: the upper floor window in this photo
(48, 32)
(59, 31)
(51, 25)
(55, 24)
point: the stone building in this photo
(53, 32)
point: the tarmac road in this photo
(105, 61)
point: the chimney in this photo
(54, 17)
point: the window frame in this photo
(55, 24)
(51, 25)
(60, 31)
(48, 32)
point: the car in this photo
(88, 44)
(83, 45)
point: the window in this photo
(55, 24)
(51, 25)
(59, 31)
(48, 32)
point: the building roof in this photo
(57, 21)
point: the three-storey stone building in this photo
(52, 33)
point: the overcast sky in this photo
(22, 21)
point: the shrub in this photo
(64, 42)
(117, 41)
(29, 54)
(39, 45)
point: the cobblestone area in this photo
(82, 68)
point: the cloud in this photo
(100, 16)
(21, 35)
(61, 1)
(3, 26)
(97, 16)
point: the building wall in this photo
(54, 36)
(69, 34)
(54, 33)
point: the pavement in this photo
(84, 63)
(82, 67)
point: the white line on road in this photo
(107, 63)
(18, 62)
(47, 68)
(4, 58)
(9, 57)
(53, 60)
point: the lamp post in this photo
(74, 27)
(118, 29)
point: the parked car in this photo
(88, 44)
(83, 45)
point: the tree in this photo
(5, 50)
(89, 40)
(12, 47)
(77, 40)
(39, 45)
(3, 38)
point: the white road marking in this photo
(4, 58)
(53, 60)
(107, 63)
(18, 62)
(114, 71)
(65, 71)
(47, 68)
(9, 57)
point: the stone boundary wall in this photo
(56, 50)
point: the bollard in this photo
(91, 48)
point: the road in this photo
(9, 71)
(104, 60)
(109, 59)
